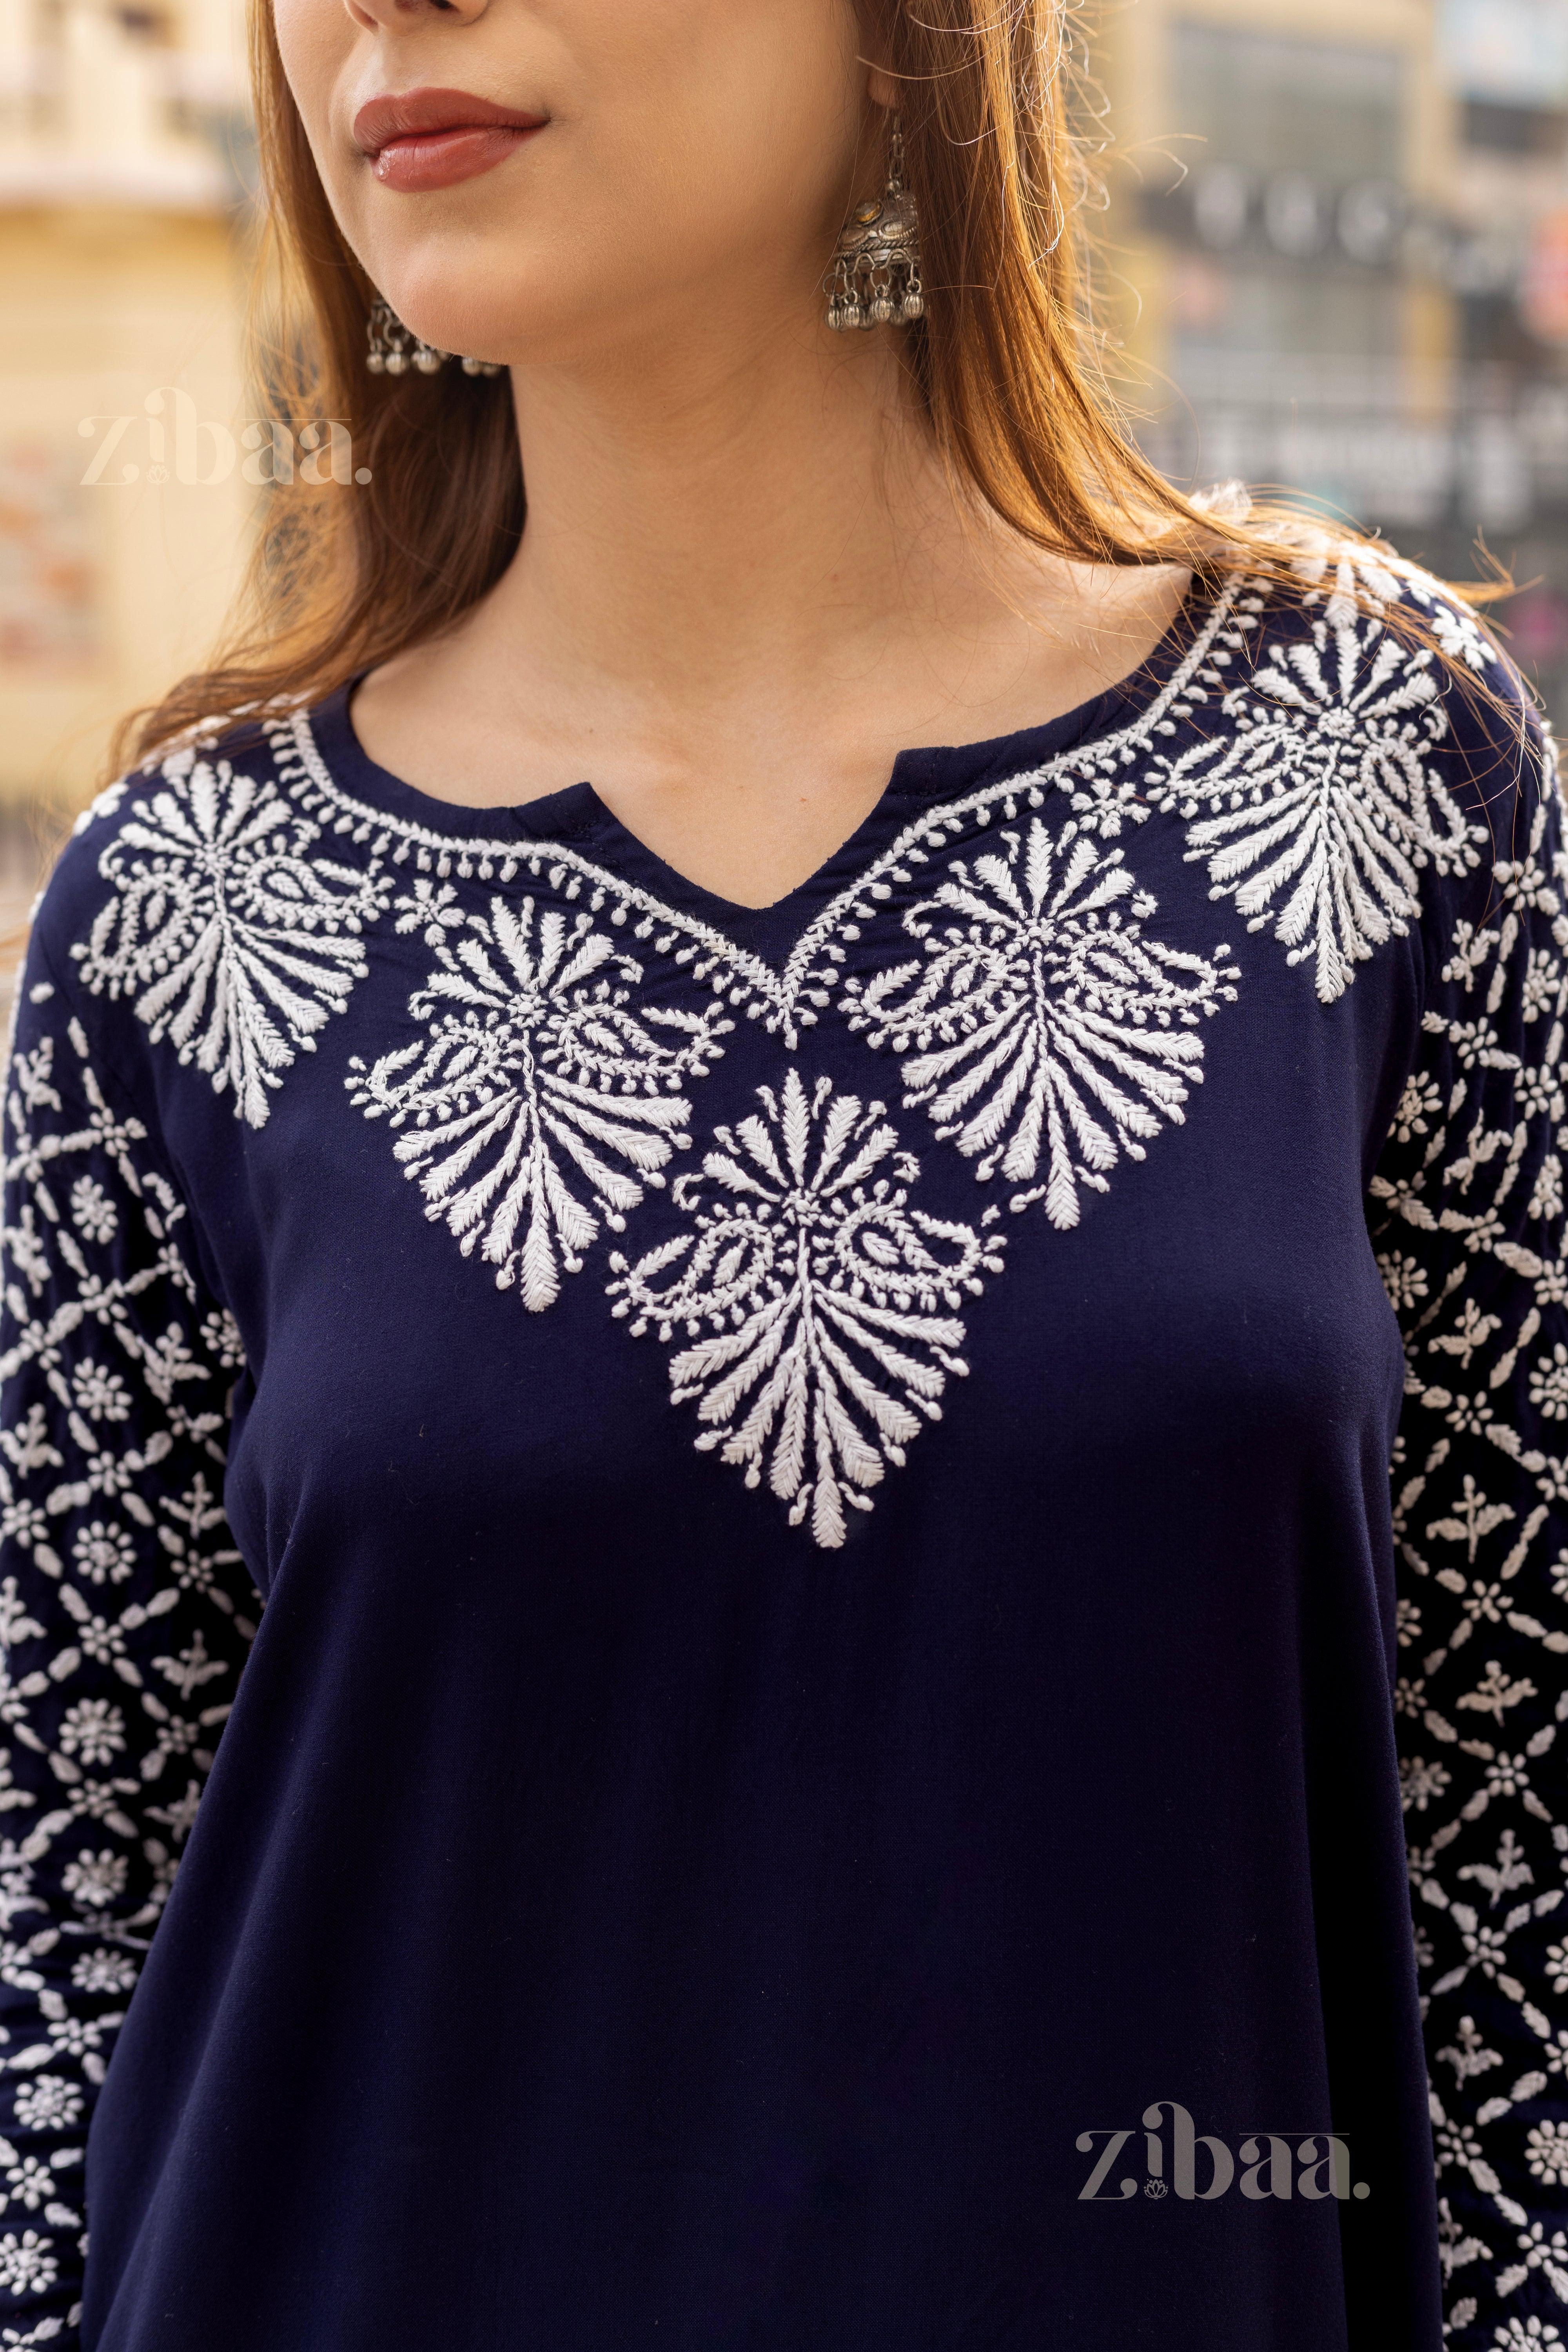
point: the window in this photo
(1515, 130)
(1329, 110)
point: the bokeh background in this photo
(1342, 227)
(1335, 254)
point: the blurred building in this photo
(1344, 240)
(122, 502)
(1345, 237)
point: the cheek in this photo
(315, 39)
(721, 130)
(694, 144)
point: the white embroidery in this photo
(537, 1066)
(816, 1316)
(1345, 580)
(1477, 1277)
(1043, 1019)
(821, 1291)
(232, 942)
(1348, 844)
(1105, 777)
(112, 1692)
(789, 1002)
(730, 972)
(1323, 796)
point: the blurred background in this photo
(1336, 255)
(1342, 228)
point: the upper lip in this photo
(404, 114)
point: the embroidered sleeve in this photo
(1467, 1215)
(125, 1614)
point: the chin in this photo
(492, 298)
(452, 314)
(547, 328)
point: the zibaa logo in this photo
(1275, 2166)
(200, 452)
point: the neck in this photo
(752, 503)
(744, 583)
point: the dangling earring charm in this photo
(393, 350)
(874, 274)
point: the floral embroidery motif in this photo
(1314, 800)
(1043, 1022)
(1470, 1239)
(1345, 581)
(1323, 798)
(233, 942)
(823, 1295)
(788, 1002)
(125, 1615)
(536, 1069)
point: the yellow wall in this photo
(98, 309)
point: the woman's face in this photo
(636, 168)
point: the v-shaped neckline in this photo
(579, 818)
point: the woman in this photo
(788, 1336)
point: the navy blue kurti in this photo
(815, 1762)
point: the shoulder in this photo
(1370, 648)
(1412, 695)
(136, 937)
(1353, 755)
(213, 905)
(146, 828)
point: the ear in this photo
(877, 57)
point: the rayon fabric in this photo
(768, 1539)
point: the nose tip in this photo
(404, 16)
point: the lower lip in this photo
(439, 159)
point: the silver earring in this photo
(874, 274)
(393, 350)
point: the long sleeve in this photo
(1466, 1217)
(124, 1612)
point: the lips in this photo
(421, 139)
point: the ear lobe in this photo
(882, 87)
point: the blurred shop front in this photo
(1347, 228)
(1342, 241)
(122, 158)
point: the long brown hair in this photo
(1005, 364)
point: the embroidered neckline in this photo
(786, 998)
